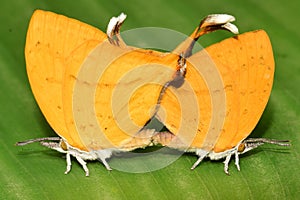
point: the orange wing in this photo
(57, 48)
(108, 98)
(245, 68)
(250, 58)
(50, 39)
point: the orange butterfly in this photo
(92, 90)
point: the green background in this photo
(34, 172)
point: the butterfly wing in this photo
(252, 68)
(50, 39)
(110, 93)
(232, 81)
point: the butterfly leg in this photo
(226, 163)
(202, 154)
(83, 164)
(69, 164)
(103, 155)
(237, 161)
(105, 163)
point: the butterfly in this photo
(92, 89)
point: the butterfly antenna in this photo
(37, 140)
(252, 143)
(268, 141)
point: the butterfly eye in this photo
(63, 145)
(241, 147)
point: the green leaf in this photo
(34, 172)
